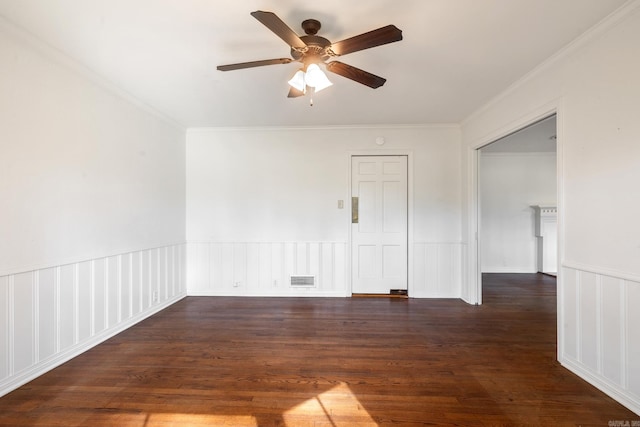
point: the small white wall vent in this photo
(303, 281)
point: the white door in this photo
(378, 224)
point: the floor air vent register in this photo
(303, 281)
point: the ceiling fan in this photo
(311, 50)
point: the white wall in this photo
(84, 172)
(510, 183)
(593, 85)
(92, 218)
(279, 188)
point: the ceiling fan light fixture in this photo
(316, 78)
(298, 81)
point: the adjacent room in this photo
(279, 213)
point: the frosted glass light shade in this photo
(298, 81)
(316, 79)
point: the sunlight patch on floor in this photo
(334, 408)
(200, 420)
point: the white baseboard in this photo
(508, 270)
(613, 390)
(311, 294)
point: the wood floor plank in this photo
(326, 362)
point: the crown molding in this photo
(607, 23)
(327, 127)
(29, 40)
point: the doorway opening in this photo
(517, 202)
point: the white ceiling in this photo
(456, 54)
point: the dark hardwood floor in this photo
(327, 362)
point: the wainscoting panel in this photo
(590, 332)
(47, 313)
(632, 326)
(113, 290)
(265, 268)
(599, 330)
(136, 283)
(612, 329)
(50, 315)
(99, 288)
(437, 270)
(22, 329)
(84, 301)
(125, 287)
(4, 326)
(571, 313)
(67, 305)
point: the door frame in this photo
(473, 294)
(381, 153)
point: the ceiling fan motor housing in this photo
(317, 49)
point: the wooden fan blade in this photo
(355, 74)
(384, 35)
(252, 64)
(282, 30)
(294, 93)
